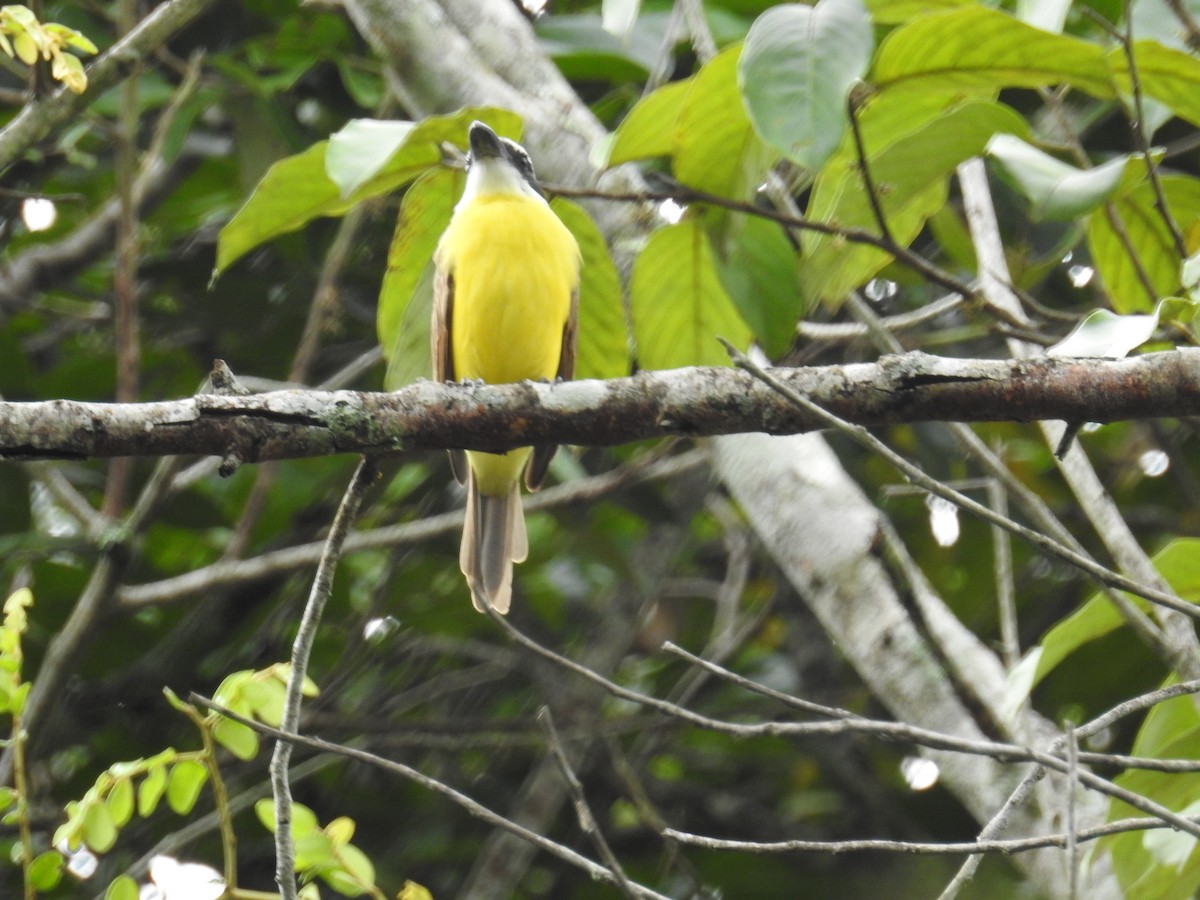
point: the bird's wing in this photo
(443, 350)
(535, 474)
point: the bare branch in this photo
(693, 402)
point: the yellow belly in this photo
(515, 267)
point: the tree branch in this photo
(914, 387)
(36, 120)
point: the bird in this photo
(506, 301)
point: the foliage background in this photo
(407, 670)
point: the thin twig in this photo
(1018, 845)
(232, 572)
(285, 866)
(864, 168)
(1006, 595)
(473, 807)
(683, 194)
(917, 475)
(1072, 837)
(898, 731)
(587, 821)
(1137, 125)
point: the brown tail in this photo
(493, 539)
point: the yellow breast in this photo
(515, 267)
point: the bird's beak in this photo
(484, 143)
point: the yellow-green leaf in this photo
(1148, 239)
(1170, 76)
(235, 737)
(184, 783)
(679, 305)
(716, 148)
(122, 888)
(603, 337)
(980, 49)
(910, 174)
(406, 295)
(99, 830)
(151, 789)
(45, 872)
(120, 801)
(649, 129)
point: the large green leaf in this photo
(1160, 864)
(759, 267)
(603, 337)
(701, 124)
(980, 49)
(293, 192)
(362, 147)
(678, 304)
(1102, 333)
(895, 12)
(910, 172)
(795, 73)
(1178, 563)
(1055, 189)
(406, 295)
(1170, 76)
(649, 129)
(1149, 240)
(715, 147)
(301, 188)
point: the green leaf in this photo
(603, 337)
(229, 691)
(151, 789)
(122, 888)
(1168, 75)
(266, 697)
(1056, 190)
(715, 146)
(414, 891)
(980, 49)
(650, 128)
(910, 172)
(679, 306)
(120, 801)
(1178, 562)
(304, 820)
(361, 148)
(184, 783)
(340, 830)
(1108, 335)
(795, 73)
(46, 870)
(281, 672)
(410, 355)
(298, 189)
(759, 269)
(99, 830)
(314, 852)
(293, 192)
(1149, 866)
(406, 295)
(895, 12)
(1150, 241)
(356, 875)
(239, 740)
(409, 156)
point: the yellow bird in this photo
(505, 308)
